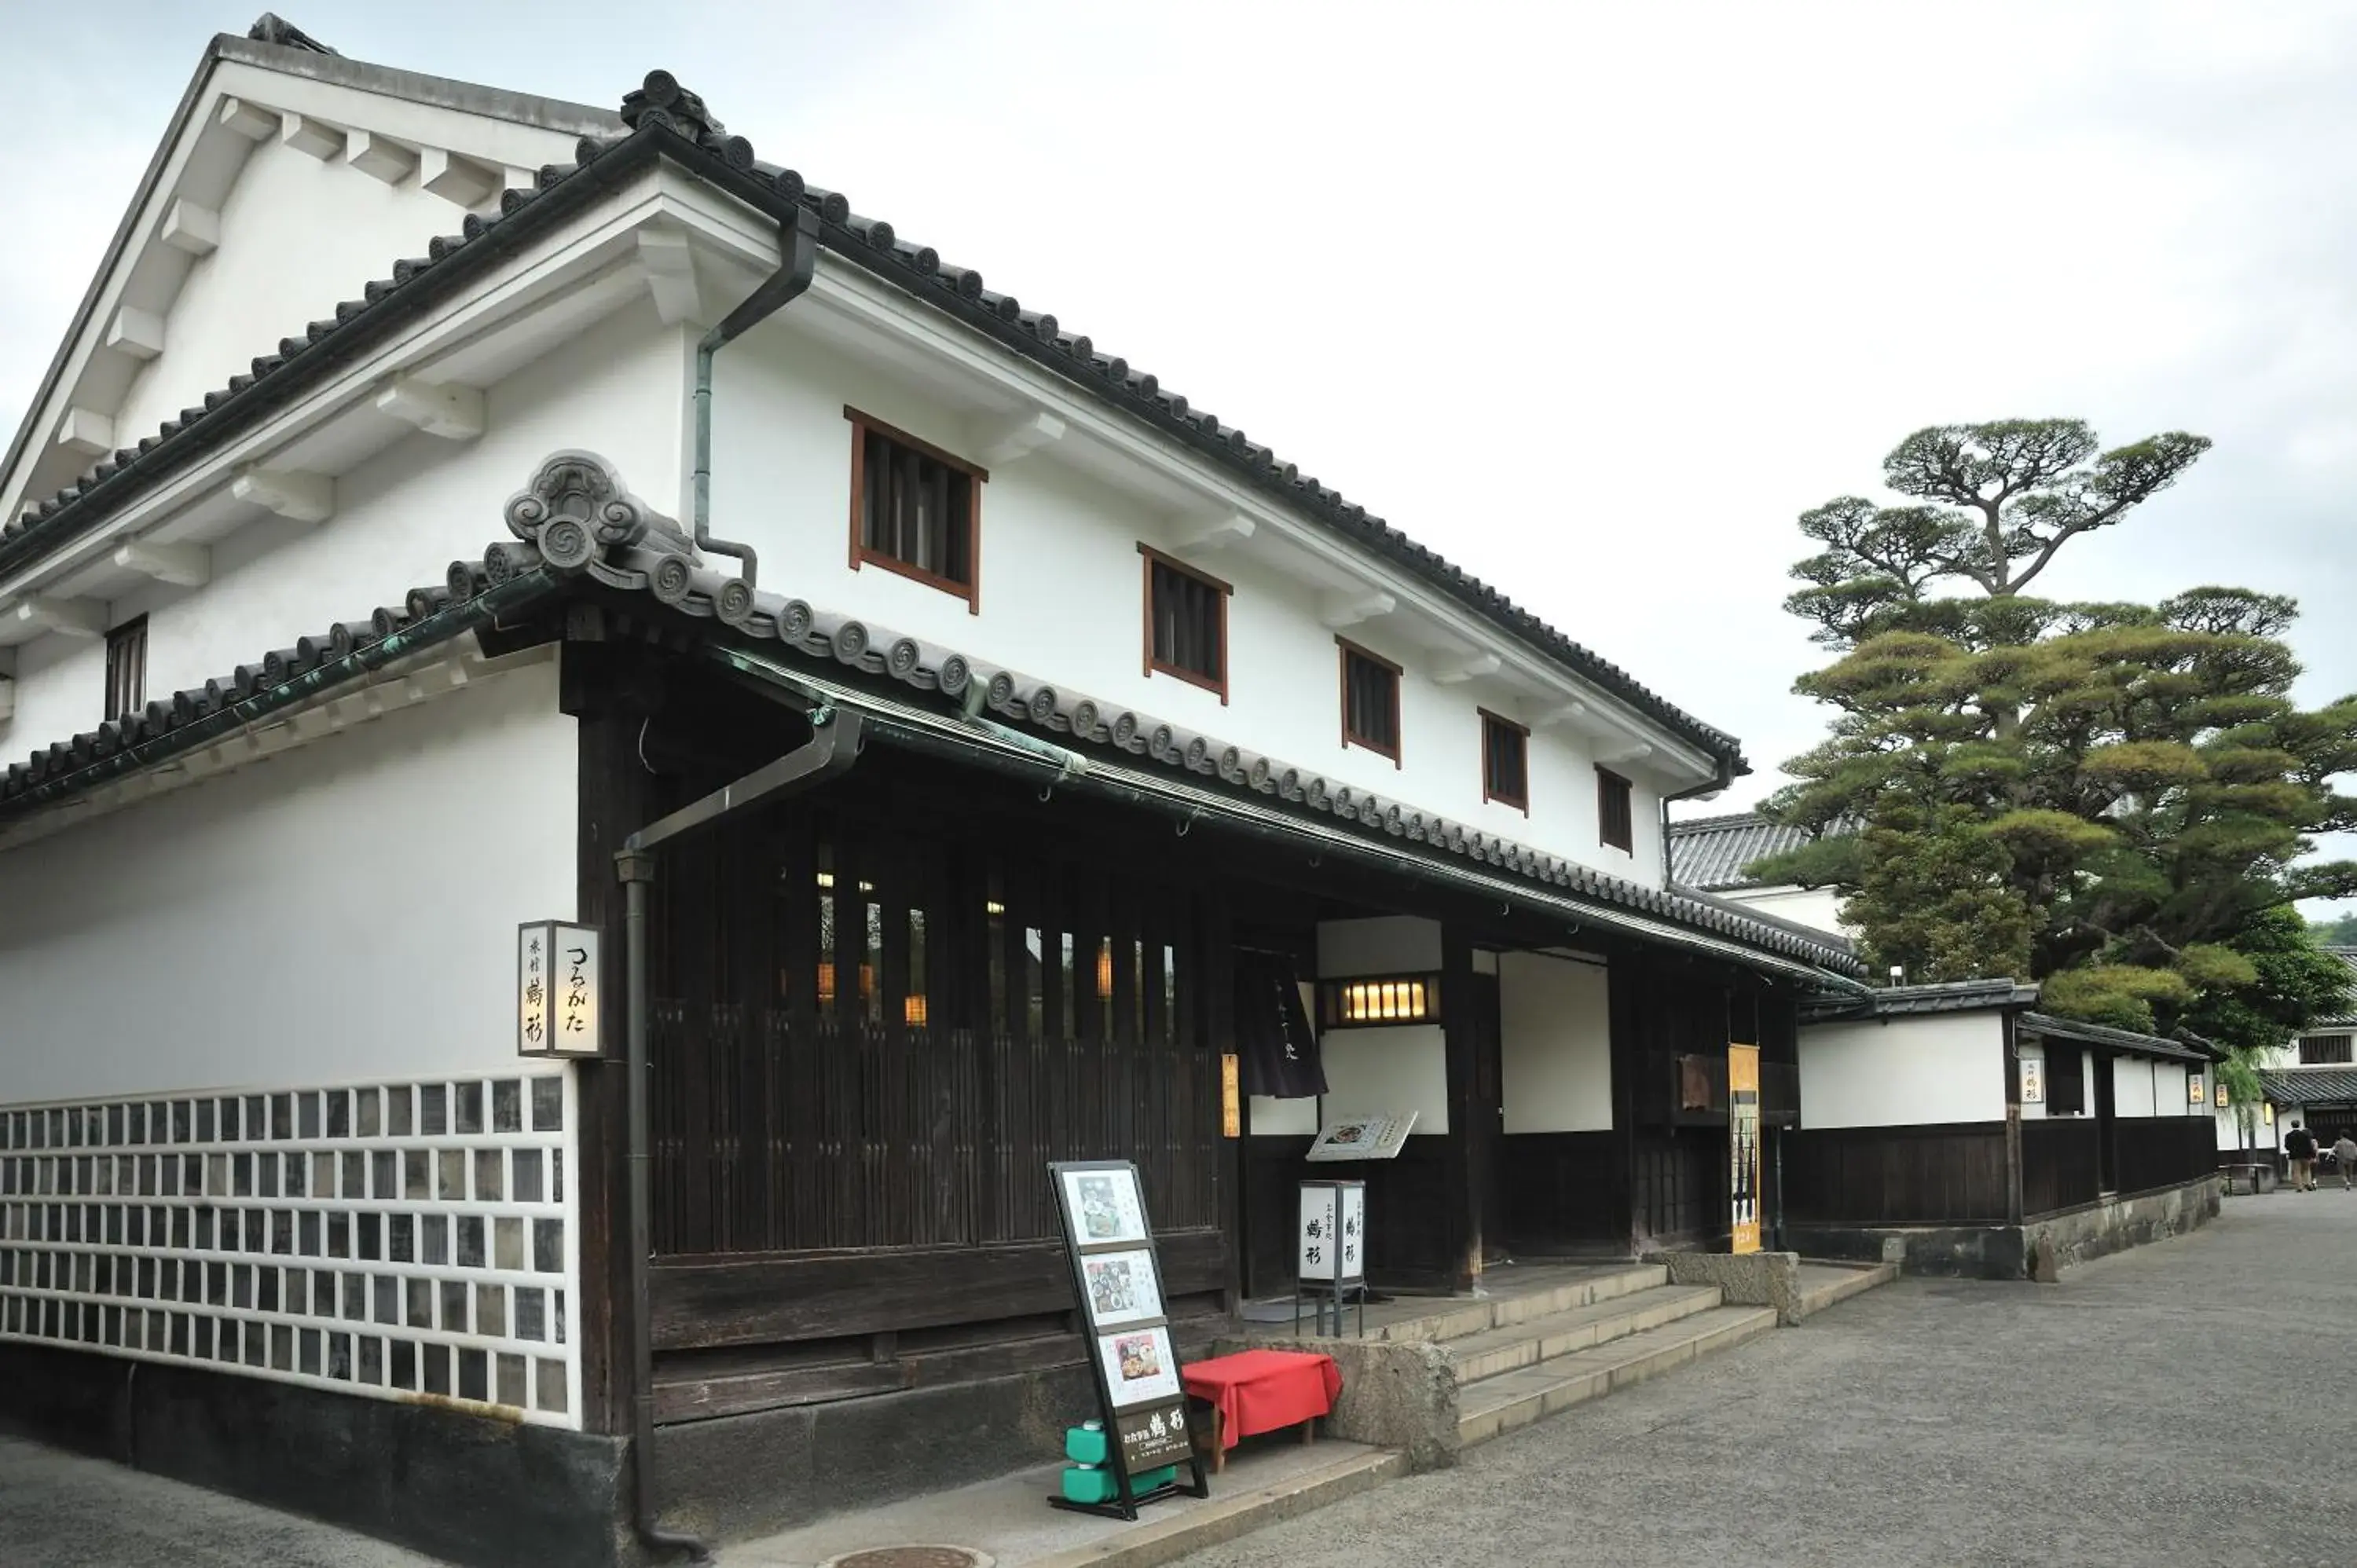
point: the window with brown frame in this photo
(915, 510)
(2324, 1050)
(1186, 623)
(127, 669)
(1616, 819)
(1370, 702)
(1505, 762)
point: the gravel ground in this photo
(2135, 1415)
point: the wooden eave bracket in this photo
(1337, 611)
(452, 413)
(1458, 669)
(1208, 536)
(297, 497)
(186, 565)
(67, 617)
(1003, 441)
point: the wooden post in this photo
(2012, 1123)
(613, 802)
(1469, 1141)
(1219, 1015)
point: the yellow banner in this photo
(1743, 1143)
(1232, 1108)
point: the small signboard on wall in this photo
(1743, 1139)
(1364, 1137)
(2033, 1080)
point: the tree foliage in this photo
(2114, 799)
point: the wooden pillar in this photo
(1217, 981)
(613, 802)
(2012, 1122)
(1467, 1121)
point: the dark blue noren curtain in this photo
(1273, 1036)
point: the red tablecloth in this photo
(1260, 1391)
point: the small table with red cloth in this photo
(1260, 1391)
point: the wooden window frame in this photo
(1342, 674)
(118, 639)
(1150, 557)
(1605, 781)
(976, 477)
(1523, 802)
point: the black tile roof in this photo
(663, 117)
(1711, 852)
(2309, 1086)
(2046, 1025)
(1945, 996)
(576, 526)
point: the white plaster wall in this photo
(297, 236)
(1061, 599)
(1555, 1043)
(2132, 1087)
(1395, 1070)
(619, 389)
(1385, 944)
(343, 912)
(1905, 1072)
(1815, 906)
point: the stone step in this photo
(1510, 1399)
(1822, 1284)
(1538, 1340)
(1458, 1320)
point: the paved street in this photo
(2134, 1414)
(59, 1510)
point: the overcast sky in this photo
(1593, 299)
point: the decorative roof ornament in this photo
(576, 507)
(271, 28)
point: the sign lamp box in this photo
(558, 990)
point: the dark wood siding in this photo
(1564, 1191)
(1953, 1173)
(2060, 1164)
(2162, 1150)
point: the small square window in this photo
(127, 669)
(1505, 762)
(1186, 623)
(915, 510)
(1616, 821)
(1370, 702)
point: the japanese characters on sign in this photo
(1333, 1239)
(2033, 1080)
(556, 990)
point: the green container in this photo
(1086, 1444)
(1087, 1484)
(1084, 1484)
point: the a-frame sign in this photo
(1117, 1280)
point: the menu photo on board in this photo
(1122, 1287)
(1140, 1366)
(1101, 1206)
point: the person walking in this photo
(2300, 1147)
(2344, 1155)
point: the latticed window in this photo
(1186, 623)
(915, 510)
(1370, 702)
(2324, 1050)
(127, 669)
(1616, 817)
(1505, 762)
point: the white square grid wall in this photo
(390, 1239)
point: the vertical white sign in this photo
(1355, 1232)
(1320, 1251)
